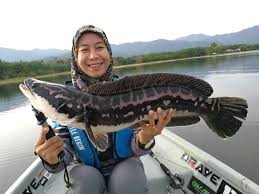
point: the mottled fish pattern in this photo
(111, 106)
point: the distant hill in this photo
(246, 36)
(194, 37)
(7, 54)
(157, 46)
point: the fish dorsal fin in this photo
(136, 82)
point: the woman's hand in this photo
(49, 149)
(149, 131)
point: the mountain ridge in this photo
(246, 36)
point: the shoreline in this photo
(20, 79)
(188, 58)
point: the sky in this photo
(43, 24)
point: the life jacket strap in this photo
(83, 148)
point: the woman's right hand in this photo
(49, 149)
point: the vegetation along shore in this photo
(13, 72)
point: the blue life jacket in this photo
(87, 153)
(121, 142)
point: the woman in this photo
(118, 169)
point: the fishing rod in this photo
(42, 120)
(175, 180)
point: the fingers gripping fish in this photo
(112, 106)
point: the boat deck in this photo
(201, 172)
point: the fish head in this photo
(30, 89)
(53, 100)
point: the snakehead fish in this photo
(111, 106)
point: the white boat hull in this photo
(201, 172)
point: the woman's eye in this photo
(84, 50)
(100, 47)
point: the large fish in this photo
(111, 106)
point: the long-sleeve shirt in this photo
(106, 158)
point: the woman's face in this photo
(92, 55)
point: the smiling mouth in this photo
(95, 65)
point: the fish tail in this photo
(225, 114)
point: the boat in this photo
(175, 167)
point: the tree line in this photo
(32, 68)
(57, 65)
(185, 53)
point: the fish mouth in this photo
(26, 87)
(23, 87)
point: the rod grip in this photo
(42, 120)
(50, 133)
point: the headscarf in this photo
(80, 79)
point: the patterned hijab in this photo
(79, 78)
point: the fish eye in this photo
(34, 85)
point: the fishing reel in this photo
(176, 182)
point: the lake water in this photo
(229, 76)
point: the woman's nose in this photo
(93, 54)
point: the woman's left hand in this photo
(149, 131)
